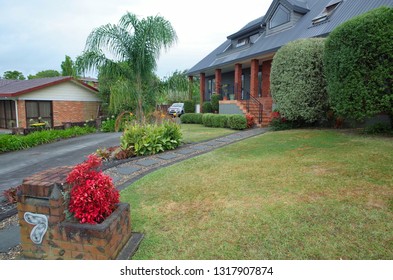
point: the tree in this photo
(135, 46)
(359, 65)
(298, 83)
(68, 68)
(13, 75)
(44, 74)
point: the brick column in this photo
(266, 66)
(254, 78)
(218, 81)
(202, 89)
(21, 113)
(238, 81)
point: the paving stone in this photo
(224, 139)
(201, 147)
(185, 151)
(167, 156)
(10, 237)
(128, 170)
(147, 162)
(213, 143)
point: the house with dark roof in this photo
(56, 100)
(239, 69)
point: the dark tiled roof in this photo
(303, 28)
(10, 88)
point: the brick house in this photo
(54, 100)
(239, 69)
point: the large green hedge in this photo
(298, 84)
(359, 65)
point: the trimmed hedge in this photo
(359, 65)
(195, 118)
(298, 83)
(237, 122)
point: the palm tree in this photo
(134, 46)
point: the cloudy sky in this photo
(36, 35)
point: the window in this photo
(242, 42)
(327, 12)
(39, 111)
(280, 16)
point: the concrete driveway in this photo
(15, 166)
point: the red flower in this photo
(93, 196)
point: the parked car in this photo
(177, 108)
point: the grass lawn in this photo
(197, 132)
(300, 194)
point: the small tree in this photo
(359, 65)
(298, 84)
(68, 67)
(44, 74)
(13, 75)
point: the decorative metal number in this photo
(41, 225)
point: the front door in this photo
(39, 112)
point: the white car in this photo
(177, 108)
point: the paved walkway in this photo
(131, 170)
(126, 173)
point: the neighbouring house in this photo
(56, 100)
(239, 69)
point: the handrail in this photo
(260, 107)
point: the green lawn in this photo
(197, 132)
(300, 194)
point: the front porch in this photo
(243, 87)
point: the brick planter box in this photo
(45, 234)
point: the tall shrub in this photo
(215, 100)
(359, 65)
(298, 84)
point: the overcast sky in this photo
(36, 35)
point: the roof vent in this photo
(327, 12)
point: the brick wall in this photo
(42, 194)
(74, 111)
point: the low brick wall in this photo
(41, 196)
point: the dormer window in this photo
(281, 15)
(327, 12)
(242, 42)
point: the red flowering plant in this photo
(250, 120)
(93, 196)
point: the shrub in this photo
(359, 65)
(108, 125)
(20, 142)
(250, 120)
(189, 106)
(237, 122)
(150, 139)
(207, 119)
(207, 107)
(279, 123)
(93, 197)
(195, 118)
(378, 128)
(298, 84)
(11, 194)
(220, 120)
(215, 99)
